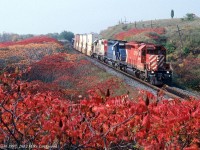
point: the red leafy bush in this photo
(36, 113)
(131, 32)
(29, 50)
(35, 40)
(73, 74)
(188, 70)
(45, 119)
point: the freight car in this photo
(84, 42)
(90, 40)
(144, 60)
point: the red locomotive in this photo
(148, 62)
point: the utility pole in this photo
(124, 19)
(152, 24)
(179, 32)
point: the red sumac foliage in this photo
(101, 122)
(36, 40)
(131, 32)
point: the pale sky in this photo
(85, 16)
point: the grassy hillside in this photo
(169, 24)
(183, 46)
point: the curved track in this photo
(165, 89)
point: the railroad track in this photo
(165, 89)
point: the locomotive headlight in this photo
(152, 72)
(167, 71)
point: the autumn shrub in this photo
(36, 113)
(29, 50)
(42, 118)
(125, 27)
(2, 64)
(170, 48)
(55, 66)
(186, 50)
(149, 32)
(33, 40)
(73, 73)
(188, 72)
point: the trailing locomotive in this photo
(144, 60)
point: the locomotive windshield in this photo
(121, 46)
(156, 51)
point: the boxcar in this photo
(84, 48)
(90, 40)
(76, 41)
(80, 43)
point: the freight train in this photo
(146, 61)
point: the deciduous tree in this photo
(172, 13)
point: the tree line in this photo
(64, 35)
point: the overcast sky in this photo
(84, 16)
